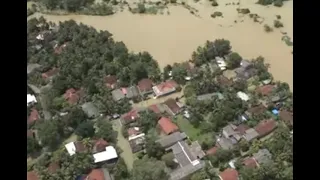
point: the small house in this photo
(243, 96)
(50, 74)
(111, 81)
(167, 126)
(265, 90)
(90, 110)
(109, 154)
(137, 142)
(31, 99)
(256, 110)
(129, 117)
(74, 147)
(171, 139)
(157, 108)
(145, 86)
(287, 117)
(99, 174)
(34, 116)
(172, 107)
(265, 127)
(72, 96)
(250, 134)
(229, 174)
(165, 88)
(99, 145)
(32, 175)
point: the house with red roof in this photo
(265, 127)
(250, 162)
(32, 175)
(72, 96)
(111, 81)
(129, 117)
(157, 108)
(165, 88)
(99, 145)
(34, 116)
(145, 86)
(50, 73)
(167, 126)
(212, 151)
(53, 167)
(99, 174)
(172, 106)
(265, 90)
(229, 174)
(287, 117)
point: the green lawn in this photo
(190, 130)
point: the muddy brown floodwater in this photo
(172, 38)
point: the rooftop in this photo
(110, 81)
(157, 108)
(90, 109)
(243, 96)
(145, 85)
(173, 106)
(263, 156)
(229, 174)
(212, 151)
(34, 115)
(108, 154)
(209, 96)
(249, 162)
(256, 110)
(117, 94)
(165, 87)
(30, 99)
(32, 175)
(250, 134)
(265, 90)
(167, 125)
(287, 117)
(130, 116)
(171, 139)
(72, 96)
(265, 127)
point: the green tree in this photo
(148, 169)
(234, 60)
(169, 160)
(222, 47)
(200, 175)
(120, 171)
(50, 133)
(244, 145)
(85, 130)
(147, 120)
(105, 131)
(32, 145)
(154, 149)
(179, 73)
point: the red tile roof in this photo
(154, 108)
(133, 131)
(257, 109)
(212, 151)
(34, 115)
(287, 117)
(167, 125)
(29, 133)
(242, 128)
(80, 147)
(229, 174)
(166, 87)
(265, 90)
(50, 73)
(130, 116)
(100, 145)
(96, 174)
(32, 175)
(111, 81)
(224, 81)
(53, 167)
(145, 85)
(72, 96)
(250, 162)
(265, 127)
(172, 105)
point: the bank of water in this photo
(172, 38)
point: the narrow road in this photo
(123, 143)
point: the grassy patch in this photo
(190, 130)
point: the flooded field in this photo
(172, 38)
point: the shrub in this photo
(278, 3)
(173, 1)
(243, 11)
(265, 2)
(278, 16)
(214, 3)
(277, 24)
(216, 14)
(267, 28)
(141, 8)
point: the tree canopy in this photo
(148, 169)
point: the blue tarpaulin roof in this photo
(275, 112)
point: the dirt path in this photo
(123, 143)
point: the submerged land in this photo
(173, 37)
(163, 90)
